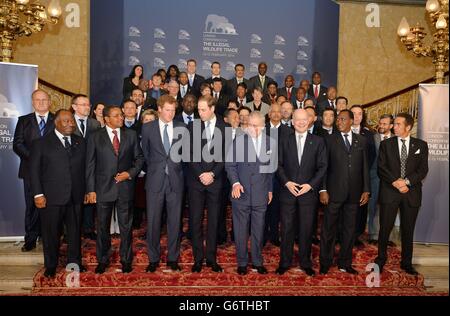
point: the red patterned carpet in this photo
(167, 283)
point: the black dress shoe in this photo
(50, 272)
(410, 270)
(275, 243)
(260, 269)
(242, 270)
(197, 267)
(391, 244)
(101, 268)
(221, 242)
(82, 268)
(127, 267)
(324, 269)
(358, 243)
(91, 236)
(308, 271)
(215, 267)
(28, 247)
(315, 241)
(281, 270)
(348, 269)
(372, 242)
(173, 266)
(152, 267)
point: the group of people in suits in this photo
(277, 164)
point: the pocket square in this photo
(417, 152)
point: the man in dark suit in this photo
(299, 99)
(242, 95)
(289, 90)
(161, 141)
(328, 123)
(85, 127)
(185, 88)
(233, 83)
(113, 160)
(215, 73)
(330, 100)
(129, 110)
(189, 113)
(146, 100)
(272, 93)
(195, 80)
(261, 79)
(402, 166)
(250, 165)
(221, 99)
(30, 127)
(57, 160)
(346, 186)
(205, 178)
(278, 131)
(302, 164)
(317, 91)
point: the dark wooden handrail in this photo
(396, 94)
(52, 86)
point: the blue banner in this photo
(292, 36)
(17, 82)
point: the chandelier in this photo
(23, 18)
(413, 37)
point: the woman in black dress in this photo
(132, 81)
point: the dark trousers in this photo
(243, 217)
(125, 219)
(361, 220)
(52, 219)
(225, 199)
(408, 216)
(197, 199)
(88, 218)
(304, 221)
(32, 221)
(155, 203)
(328, 234)
(272, 222)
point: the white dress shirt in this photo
(382, 137)
(287, 123)
(138, 113)
(109, 130)
(257, 144)
(275, 126)
(356, 130)
(302, 141)
(186, 117)
(61, 138)
(243, 101)
(38, 117)
(183, 90)
(400, 143)
(77, 120)
(300, 105)
(169, 130)
(349, 136)
(328, 129)
(212, 126)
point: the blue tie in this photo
(347, 143)
(42, 125)
(166, 141)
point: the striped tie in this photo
(42, 125)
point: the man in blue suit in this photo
(250, 164)
(161, 144)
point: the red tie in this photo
(116, 143)
(289, 93)
(316, 92)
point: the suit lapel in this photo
(159, 140)
(47, 125)
(123, 142)
(106, 139)
(306, 148)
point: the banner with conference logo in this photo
(292, 36)
(432, 223)
(17, 82)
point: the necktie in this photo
(347, 143)
(66, 142)
(216, 96)
(263, 81)
(82, 128)
(208, 134)
(191, 81)
(316, 92)
(116, 143)
(128, 123)
(403, 157)
(299, 149)
(332, 104)
(183, 92)
(385, 137)
(166, 141)
(189, 118)
(42, 125)
(289, 93)
(241, 102)
(257, 147)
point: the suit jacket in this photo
(157, 159)
(222, 104)
(179, 117)
(232, 87)
(283, 131)
(91, 125)
(322, 93)
(371, 150)
(323, 104)
(102, 165)
(56, 172)
(27, 130)
(255, 82)
(268, 99)
(312, 169)
(189, 90)
(348, 172)
(283, 91)
(320, 131)
(136, 127)
(389, 170)
(150, 102)
(247, 99)
(198, 164)
(198, 80)
(255, 175)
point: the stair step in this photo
(17, 279)
(431, 255)
(11, 255)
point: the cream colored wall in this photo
(373, 62)
(62, 53)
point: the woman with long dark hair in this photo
(172, 73)
(132, 81)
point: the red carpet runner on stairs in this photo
(165, 282)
